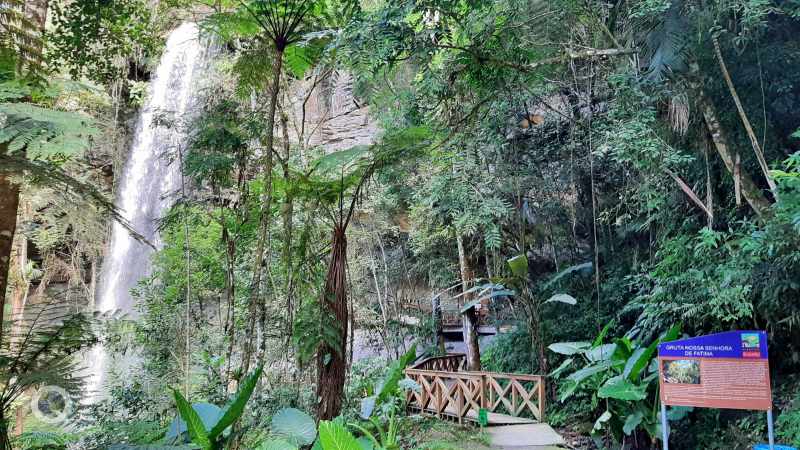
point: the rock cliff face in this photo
(326, 114)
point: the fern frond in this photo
(44, 134)
(44, 173)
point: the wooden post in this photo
(469, 318)
(541, 399)
(436, 308)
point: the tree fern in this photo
(44, 134)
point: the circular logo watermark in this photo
(51, 404)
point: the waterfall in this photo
(149, 180)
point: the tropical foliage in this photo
(360, 178)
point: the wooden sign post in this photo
(725, 370)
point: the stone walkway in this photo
(535, 436)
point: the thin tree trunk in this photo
(331, 362)
(9, 202)
(263, 232)
(469, 318)
(751, 192)
(230, 303)
(762, 162)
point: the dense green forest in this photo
(345, 189)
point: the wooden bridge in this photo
(448, 391)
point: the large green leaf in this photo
(600, 337)
(277, 444)
(562, 298)
(621, 389)
(235, 408)
(601, 353)
(569, 348)
(584, 268)
(605, 417)
(390, 383)
(588, 371)
(295, 426)
(334, 436)
(642, 356)
(632, 421)
(209, 414)
(519, 266)
(637, 361)
(196, 428)
(564, 365)
(396, 373)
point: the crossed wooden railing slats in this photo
(447, 391)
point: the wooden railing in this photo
(515, 394)
(451, 394)
(452, 362)
(461, 395)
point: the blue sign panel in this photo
(731, 344)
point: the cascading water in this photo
(150, 179)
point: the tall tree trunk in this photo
(751, 192)
(469, 319)
(5, 440)
(287, 211)
(9, 202)
(255, 308)
(762, 162)
(331, 364)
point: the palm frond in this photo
(39, 348)
(666, 46)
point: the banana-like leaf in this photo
(641, 356)
(622, 389)
(197, 430)
(562, 298)
(584, 268)
(569, 348)
(235, 408)
(209, 414)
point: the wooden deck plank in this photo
(519, 437)
(494, 418)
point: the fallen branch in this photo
(690, 193)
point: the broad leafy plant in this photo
(212, 433)
(623, 375)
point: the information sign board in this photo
(724, 370)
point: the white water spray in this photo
(149, 181)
